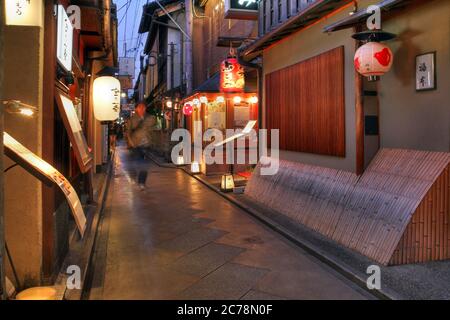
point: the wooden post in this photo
(3, 294)
(359, 115)
(48, 103)
(188, 47)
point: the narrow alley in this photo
(177, 239)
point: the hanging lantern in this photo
(220, 99)
(187, 109)
(231, 76)
(203, 100)
(373, 59)
(106, 98)
(227, 183)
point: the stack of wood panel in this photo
(396, 212)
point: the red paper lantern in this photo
(73, 88)
(231, 76)
(188, 109)
(373, 59)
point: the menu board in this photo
(46, 172)
(216, 116)
(241, 115)
(75, 132)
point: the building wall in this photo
(23, 72)
(410, 119)
(306, 44)
(207, 55)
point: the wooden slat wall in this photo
(305, 102)
(370, 213)
(427, 236)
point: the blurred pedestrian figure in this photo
(139, 132)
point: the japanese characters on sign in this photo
(106, 98)
(231, 76)
(24, 12)
(35, 165)
(65, 39)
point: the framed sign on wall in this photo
(241, 9)
(426, 71)
(74, 131)
(65, 39)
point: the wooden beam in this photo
(48, 193)
(359, 118)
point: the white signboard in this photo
(65, 39)
(126, 66)
(18, 152)
(24, 12)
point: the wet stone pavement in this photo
(177, 239)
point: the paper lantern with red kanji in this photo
(231, 76)
(373, 59)
(188, 109)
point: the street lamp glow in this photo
(169, 104)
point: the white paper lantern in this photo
(106, 98)
(373, 59)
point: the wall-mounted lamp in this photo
(18, 107)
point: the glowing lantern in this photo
(204, 100)
(254, 100)
(227, 184)
(106, 98)
(23, 12)
(195, 167)
(237, 100)
(231, 76)
(196, 102)
(373, 59)
(220, 99)
(188, 109)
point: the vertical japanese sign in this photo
(65, 39)
(24, 12)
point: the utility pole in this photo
(172, 73)
(188, 47)
(3, 294)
